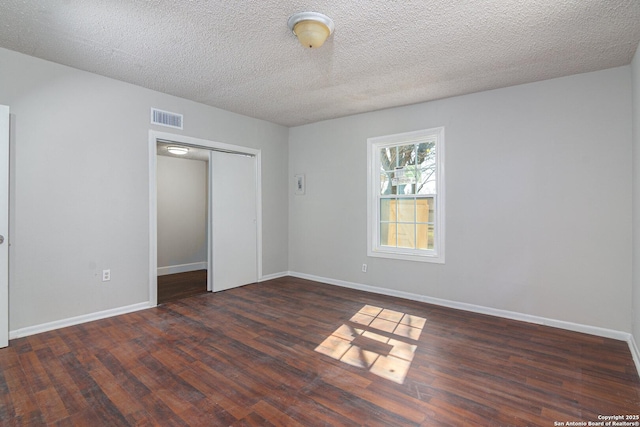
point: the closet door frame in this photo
(154, 138)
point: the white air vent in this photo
(165, 118)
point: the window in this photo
(406, 196)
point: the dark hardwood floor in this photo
(292, 352)
(172, 287)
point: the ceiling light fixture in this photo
(311, 28)
(180, 151)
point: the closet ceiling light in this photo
(180, 151)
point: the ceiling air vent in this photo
(165, 118)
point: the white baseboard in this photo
(593, 330)
(63, 323)
(587, 329)
(264, 278)
(45, 327)
(634, 352)
(181, 268)
(561, 324)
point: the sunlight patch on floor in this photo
(378, 339)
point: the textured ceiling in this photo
(241, 56)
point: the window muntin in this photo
(406, 181)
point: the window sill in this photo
(406, 256)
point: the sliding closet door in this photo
(234, 220)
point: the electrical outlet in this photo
(106, 275)
(364, 268)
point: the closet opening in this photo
(204, 215)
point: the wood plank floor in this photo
(292, 352)
(172, 287)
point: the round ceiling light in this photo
(311, 28)
(180, 151)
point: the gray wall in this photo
(635, 67)
(538, 209)
(539, 194)
(182, 211)
(80, 201)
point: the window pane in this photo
(388, 234)
(426, 161)
(407, 236)
(426, 155)
(425, 236)
(387, 159)
(388, 210)
(426, 181)
(385, 184)
(402, 183)
(406, 155)
(406, 179)
(425, 209)
(406, 210)
(432, 234)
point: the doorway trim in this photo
(154, 136)
(5, 142)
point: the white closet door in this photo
(234, 220)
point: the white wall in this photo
(80, 201)
(182, 211)
(538, 211)
(635, 70)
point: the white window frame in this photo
(374, 249)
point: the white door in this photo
(4, 226)
(233, 220)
